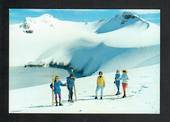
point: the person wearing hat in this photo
(117, 81)
(100, 84)
(124, 79)
(57, 90)
(70, 86)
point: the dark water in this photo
(20, 77)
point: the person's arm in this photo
(73, 81)
(103, 82)
(97, 80)
(67, 81)
(62, 84)
(120, 77)
(127, 78)
(116, 78)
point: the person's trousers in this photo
(70, 89)
(118, 86)
(101, 90)
(59, 95)
(124, 85)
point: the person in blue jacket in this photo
(57, 90)
(70, 86)
(117, 81)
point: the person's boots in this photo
(95, 97)
(118, 93)
(60, 104)
(56, 102)
(69, 98)
(101, 98)
(124, 94)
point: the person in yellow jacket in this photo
(100, 84)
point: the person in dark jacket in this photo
(57, 90)
(70, 86)
(117, 81)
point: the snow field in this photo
(143, 96)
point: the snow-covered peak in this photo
(119, 21)
(31, 24)
(46, 16)
(129, 15)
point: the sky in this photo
(84, 15)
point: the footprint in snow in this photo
(134, 92)
(144, 86)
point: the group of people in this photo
(55, 85)
(117, 78)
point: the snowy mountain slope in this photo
(119, 21)
(132, 36)
(45, 38)
(47, 21)
(63, 53)
(88, 58)
(92, 59)
(42, 38)
(153, 60)
(133, 57)
(143, 83)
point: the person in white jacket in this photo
(124, 79)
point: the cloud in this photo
(143, 11)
